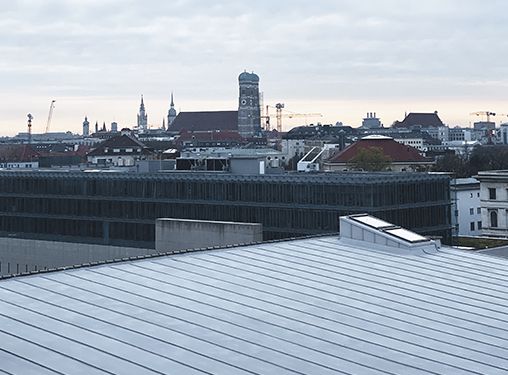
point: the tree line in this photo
(481, 158)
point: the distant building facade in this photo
(371, 121)
(121, 208)
(494, 202)
(121, 150)
(249, 116)
(19, 156)
(503, 134)
(466, 207)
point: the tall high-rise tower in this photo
(171, 112)
(249, 117)
(142, 116)
(86, 127)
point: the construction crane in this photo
(50, 115)
(279, 115)
(487, 114)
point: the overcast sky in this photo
(342, 58)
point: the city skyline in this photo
(339, 58)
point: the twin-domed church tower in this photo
(249, 111)
(249, 116)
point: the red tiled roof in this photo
(396, 151)
(82, 151)
(18, 153)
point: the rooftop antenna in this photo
(30, 118)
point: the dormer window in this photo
(116, 150)
(129, 150)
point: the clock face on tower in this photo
(244, 101)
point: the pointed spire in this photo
(142, 105)
(171, 112)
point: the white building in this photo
(494, 202)
(416, 142)
(20, 165)
(503, 134)
(293, 147)
(440, 132)
(461, 147)
(466, 208)
(121, 151)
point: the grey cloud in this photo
(331, 48)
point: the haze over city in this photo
(340, 58)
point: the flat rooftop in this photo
(310, 306)
(323, 177)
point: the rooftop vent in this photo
(370, 232)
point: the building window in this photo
(456, 212)
(493, 219)
(479, 226)
(478, 194)
(478, 210)
(492, 193)
(471, 211)
(471, 226)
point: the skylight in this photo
(372, 221)
(405, 235)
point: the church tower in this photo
(86, 127)
(171, 112)
(142, 116)
(249, 117)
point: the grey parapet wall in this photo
(179, 234)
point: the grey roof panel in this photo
(312, 306)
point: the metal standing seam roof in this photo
(312, 306)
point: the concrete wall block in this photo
(178, 234)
